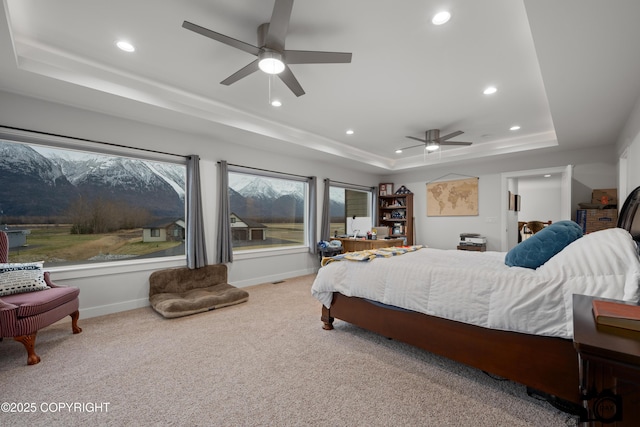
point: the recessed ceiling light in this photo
(276, 103)
(125, 45)
(547, 175)
(441, 18)
(516, 127)
(398, 151)
(350, 132)
(490, 90)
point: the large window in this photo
(66, 206)
(350, 211)
(268, 210)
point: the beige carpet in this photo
(267, 362)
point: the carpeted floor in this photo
(266, 362)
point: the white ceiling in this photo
(567, 72)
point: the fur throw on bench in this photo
(180, 292)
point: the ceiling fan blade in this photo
(413, 146)
(290, 80)
(222, 38)
(314, 57)
(241, 73)
(279, 25)
(455, 143)
(451, 135)
(417, 139)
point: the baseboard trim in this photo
(102, 310)
(273, 278)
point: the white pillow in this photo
(16, 278)
(606, 258)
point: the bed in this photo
(512, 322)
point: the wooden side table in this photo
(609, 363)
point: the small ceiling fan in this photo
(433, 140)
(273, 58)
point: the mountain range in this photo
(33, 184)
(43, 183)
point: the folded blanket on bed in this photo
(370, 254)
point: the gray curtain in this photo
(325, 227)
(313, 215)
(196, 248)
(225, 245)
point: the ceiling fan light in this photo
(441, 18)
(271, 62)
(432, 146)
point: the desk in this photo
(609, 361)
(351, 245)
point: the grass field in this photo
(55, 244)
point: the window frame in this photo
(373, 203)
(47, 140)
(278, 250)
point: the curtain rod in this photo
(95, 142)
(452, 173)
(351, 185)
(267, 170)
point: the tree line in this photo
(99, 215)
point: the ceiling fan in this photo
(273, 58)
(433, 140)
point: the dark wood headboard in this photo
(628, 218)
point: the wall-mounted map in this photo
(453, 198)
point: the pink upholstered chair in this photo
(23, 314)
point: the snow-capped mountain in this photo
(22, 158)
(264, 188)
(44, 183)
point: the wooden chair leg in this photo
(29, 342)
(74, 322)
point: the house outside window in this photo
(269, 211)
(75, 206)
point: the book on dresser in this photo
(617, 314)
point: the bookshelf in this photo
(396, 212)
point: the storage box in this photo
(596, 219)
(607, 196)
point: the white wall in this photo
(443, 232)
(120, 286)
(540, 198)
(629, 141)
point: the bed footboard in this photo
(547, 364)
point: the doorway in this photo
(558, 188)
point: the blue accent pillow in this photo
(543, 245)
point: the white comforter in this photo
(478, 288)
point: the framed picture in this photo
(386, 189)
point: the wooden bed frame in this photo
(544, 364)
